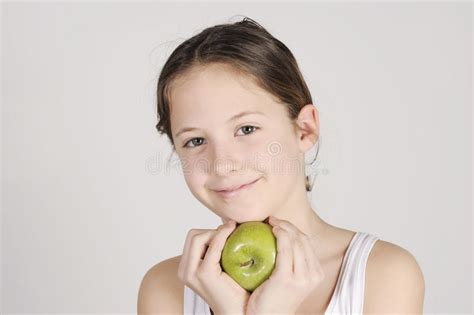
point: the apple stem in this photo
(248, 263)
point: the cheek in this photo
(194, 171)
(279, 158)
(196, 183)
(194, 165)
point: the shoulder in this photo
(161, 291)
(394, 281)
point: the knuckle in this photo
(226, 226)
(196, 232)
(196, 240)
(192, 232)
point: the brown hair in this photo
(248, 49)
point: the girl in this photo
(238, 113)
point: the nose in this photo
(224, 160)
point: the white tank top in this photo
(348, 296)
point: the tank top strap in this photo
(349, 291)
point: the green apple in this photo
(249, 254)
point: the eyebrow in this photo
(239, 115)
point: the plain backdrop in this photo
(91, 201)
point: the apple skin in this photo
(249, 254)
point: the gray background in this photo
(89, 202)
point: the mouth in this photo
(238, 190)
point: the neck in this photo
(305, 219)
(297, 210)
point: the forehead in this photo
(216, 90)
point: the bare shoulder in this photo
(161, 290)
(394, 281)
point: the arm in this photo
(394, 281)
(160, 290)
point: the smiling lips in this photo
(236, 191)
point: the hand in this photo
(297, 273)
(201, 271)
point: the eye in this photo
(193, 142)
(198, 141)
(249, 130)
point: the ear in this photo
(307, 127)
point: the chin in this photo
(241, 210)
(243, 215)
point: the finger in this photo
(184, 261)
(214, 252)
(284, 257)
(197, 249)
(314, 266)
(293, 232)
(287, 225)
(189, 237)
(300, 265)
(274, 221)
(306, 262)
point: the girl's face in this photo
(228, 132)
